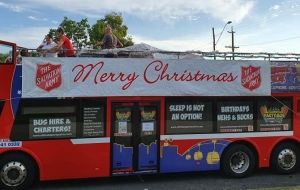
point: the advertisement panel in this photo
(233, 116)
(52, 127)
(189, 117)
(148, 121)
(274, 115)
(93, 121)
(285, 77)
(123, 125)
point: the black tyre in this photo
(238, 161)
(285, 158)
(17, 171)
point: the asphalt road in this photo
(199, 181)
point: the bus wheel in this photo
(238, 161)
(285, 158)
(17, 171)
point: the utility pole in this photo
(214, 42)
(232, 42)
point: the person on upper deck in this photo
(64, 45)
(109, 40)
(47, 44)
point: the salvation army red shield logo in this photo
(48, 76)
(251, 77)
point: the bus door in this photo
(7, 65)
(7, 69)
(135, 137)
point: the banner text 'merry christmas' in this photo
(153, 73)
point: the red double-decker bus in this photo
(67, 118)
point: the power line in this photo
(273, 41)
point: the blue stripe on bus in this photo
(16, 90)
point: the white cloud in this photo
(30, 37)
(32, 18)
(285, 8)
(14, 8)
(37, 19)
(282, 11)
(275, 7)
(274, 15)
(224, 10)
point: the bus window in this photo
(47, 110)
(59, 119)
(6, 54)
(50, 119)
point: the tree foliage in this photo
(76, 31)
(114, 20)
(3, 57)
(83, 35)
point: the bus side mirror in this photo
(6, 54)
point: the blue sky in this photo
(179, 25)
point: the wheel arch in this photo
(251, 146)
(283, 141)
(27, 154)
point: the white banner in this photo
(83, 77)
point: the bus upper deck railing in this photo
(121, 53)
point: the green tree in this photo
(76, 31)
(3, 58)
(83, 35)
(53, 33)
(115, 20)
